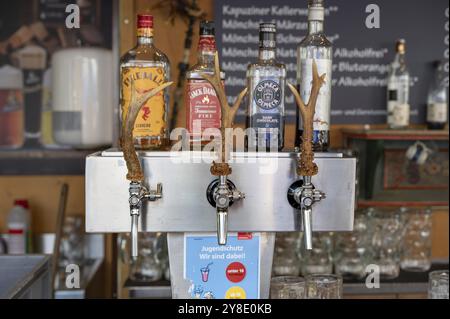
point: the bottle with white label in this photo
(398, 108)
(19, 228)
(266, 83)
(437, 103)
(315, 47)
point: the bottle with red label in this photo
(202, 104)
(19, 230)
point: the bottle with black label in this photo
(266, 83)
(315, 47)
(437, 103)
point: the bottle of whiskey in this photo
(398, 90)
(202, 104)
(315, 47)
(146, 67)
(266, 83)
(437, 106)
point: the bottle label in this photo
(151, 120)
(207, 43)
(267, 111)
(17, 240)
(267, 94)
(437, 113)
(203, 107)
(267, 98)
(322, 114)
(398, 114)
(266, 120)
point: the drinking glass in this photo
(71, 248)
(324, 286)
(416, 247)
(438, 284)
(351, 251)
(317, 260)
(147, 266)
(386, 237)
(287, 287)
(285, 259)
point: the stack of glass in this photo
(286, 261)
(319, 259)
(351, 249)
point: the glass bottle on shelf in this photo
(202, 104)
(146, 67)
(315, 47)
(437, 103)
(266, 83)
(398, 82)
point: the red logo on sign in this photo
(236, 272)
(245, 236)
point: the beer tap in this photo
(137, 190)
(221, 193)
(302, 194)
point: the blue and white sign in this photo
(222, 272)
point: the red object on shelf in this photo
(22, 202)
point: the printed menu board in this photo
(362, 52)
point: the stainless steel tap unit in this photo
(265, 178)
(221, 194)
(138, 193)
(302, 195)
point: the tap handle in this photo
(134, 236)
(222, 227)
(159, 189)
(307, 226)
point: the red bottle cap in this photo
(144, 21)
(21, 202)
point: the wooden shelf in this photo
(398, 135)
(43, 162)
(418, 204)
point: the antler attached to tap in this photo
(228, 115)
(304, 195)
(126, 141)
(306, 165)
(223, 193)
(137, 191)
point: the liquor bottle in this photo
(398, 90)
(146, 67)
(437, 104)
(266, 83)
(202, 104)
(315, 47)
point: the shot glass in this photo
(287, 287)
(438, 284)
(323, 286)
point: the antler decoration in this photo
(228, 115)
(306, 165)
(126, 141)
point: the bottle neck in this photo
(267, 54)
(315, 27)
(144, 40)
(206, 50)
(206, 58)
(400, 60)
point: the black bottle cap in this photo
(207, 28)
(267, 35)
